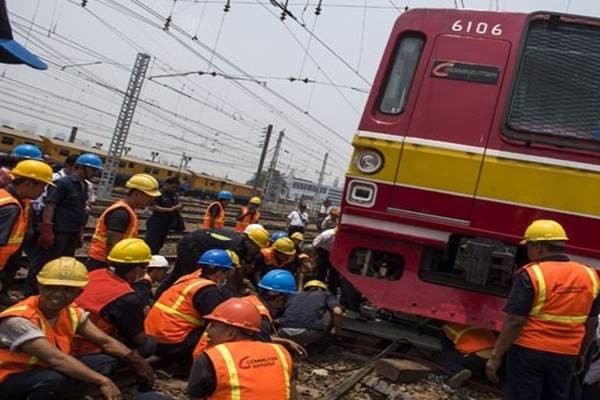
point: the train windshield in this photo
(557, 91)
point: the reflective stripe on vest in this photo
(173, 310)
(286, 369)
(98, 250)
(234, 380)
(541, 300)
(19, 228)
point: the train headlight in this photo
(368, 161)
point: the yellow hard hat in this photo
(235, 260)
(33, 169)
(285, 246)
(297, 235)
(544, 230)
(144, 183)
(315, 283)
(130, 251)
(259, 236)
(63, 271)
(255, 200)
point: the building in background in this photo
(304, 190)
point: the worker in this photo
(298, 239)
(310, 314)
(331, 220)
(552, 316)
(165, 212)
(324, 271)
(236, 365)
(119, 221)
(281, 254)
(465, 351)
(114, 305)
(214, 216)
(277, 235)
(156, 272)
(297, 219)
(176, 320)
(248, 215)
(31, 178)
(194, 244)
(39, 331)
(64, 216)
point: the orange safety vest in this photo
(470, 339)
(270, 259)
(98, 248)
(264, 312)
(564, 293)
(174, 316)
(249, 370)
(246, 219)
(19, 228)
(219, 220)
(59, 335)
(103, 288)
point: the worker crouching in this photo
(37, 336)
(113, 304)
(176, 320)
(236, 365)
(552, 315)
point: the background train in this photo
(195, 183)
(477, 124)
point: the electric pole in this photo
(320, 183)
(263, 155)
(183, 163)
(272, 168)
(117, 144)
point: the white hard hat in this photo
(252, 227)
(158, 262)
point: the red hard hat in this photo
(237, 312)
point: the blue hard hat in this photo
(278, 235)
(278, 280)
(28, 151)
(216, 258)
(225, 195)
(11, 52)
(89, 160)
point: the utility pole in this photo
(117, 144)
(154, 154)
(263, 155)
(73, 134)
(320, 184)
(183, 163)
(272, 168)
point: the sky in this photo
(218, 120)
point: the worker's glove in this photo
(46, 239)
(140, 366)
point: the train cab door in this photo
(444, 147)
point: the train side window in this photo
(121, 164)
(155, 171)
(556, 92)
(147, 170)
(400, 77)
(63, 152)
(8, 140)
(130, 165)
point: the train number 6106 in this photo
(477, 27)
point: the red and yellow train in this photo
(477, 124)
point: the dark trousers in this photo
(538, 375)
(295, 228)
(186, 263)
(180, 352)
(157, 229)
(65, 244)
(325, 272)
(454, 361)
(48, 384)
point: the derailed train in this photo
(477, 124)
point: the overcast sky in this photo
(217, 121)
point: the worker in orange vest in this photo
(114, 305)
(281, 254)
(31, 178)
(248, 215)
(176, 320)
(37, 337)
(214, 216)
(236, 365)
(465, 350)
(552, 316)
(119, 221)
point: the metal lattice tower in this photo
(271, 172)
(117, 144)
